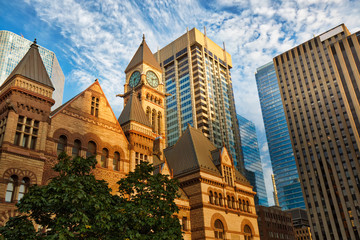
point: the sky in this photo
(97, 39)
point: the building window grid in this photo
(139, 157)
(16, 189)
(26, 132)
(95, 106)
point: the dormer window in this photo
(228, 175)
(95, 106)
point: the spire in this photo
(133, 112)
(143, 55)
(32, 67)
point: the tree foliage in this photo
(150, 204)
(75, 205)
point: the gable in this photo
(91, 106)
(225, 157)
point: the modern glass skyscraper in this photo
(320, 90)
(277, 134)
(197, 77)
(252, 160)
(13, 48)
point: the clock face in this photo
(134, 79)
(152, 79)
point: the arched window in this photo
(228, 201)
(10, 189)
(216, 199)
(61, 144)
(247, 232)
(220, 199)
(247, 206)
(76, 148)
(104, 157)
(159, 123)
(91, 149)
(240, 205)
(233, 202)
(116, 161)
(23, 188)
(211, 197)
(219, 230)
(244, 205)
(153, 120)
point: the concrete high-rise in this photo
(14, 47)
(197, 75)
(280, 149)
(320, 88)
(252, 160)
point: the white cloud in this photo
(103, 36)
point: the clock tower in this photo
(144, 84)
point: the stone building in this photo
(301, 224)
(215, 201)
(274, 223)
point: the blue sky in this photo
(96, 39)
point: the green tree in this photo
(74, 205)
(149, 204)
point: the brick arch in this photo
(12, 171)
(119, 150)
(221, 218)
(108, 147)
(30, 175)
(47, 180)
(6, 215)
(21, 174)
(93, 137)
(75, 136)
(62, 131)
(247, 222)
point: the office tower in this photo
(13, 48)
(252, 160)
(274, 223)
(197, 77)
(301, 224)
(277, 134)
(320, 82)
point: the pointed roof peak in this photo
(34, 44)
(133, 112)
(32, 67)
(143, 55)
